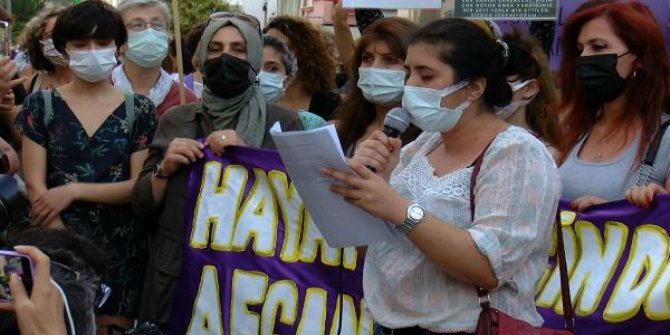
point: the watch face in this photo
(416, 213)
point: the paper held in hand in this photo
(392, 4)
(304, 154)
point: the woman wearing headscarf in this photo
(233, 112)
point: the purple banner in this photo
(254, 261)
(660, 8)
(617, 255)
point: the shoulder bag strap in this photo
(568, 311)
(484, 302)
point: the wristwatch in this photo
(158, 172)
(415, 215)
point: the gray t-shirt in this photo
(610, 180)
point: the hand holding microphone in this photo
(381, 151)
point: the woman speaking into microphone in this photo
(423, 280)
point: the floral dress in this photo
(104, 157)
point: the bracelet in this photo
(158, 172)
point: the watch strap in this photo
(406, 225)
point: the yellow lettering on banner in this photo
(313, 241)
(648, 254)
(292, 210)
(258, 218)
(248, 288)
(550, 274)
(217, 205)
(594, 269)
(549, 288)
(281, 294)
(349, 319)
(365, 323)
(596, 264)
(657, 304)
(350, 258)
(206, 317)
(313, 317)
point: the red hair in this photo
(647, 93)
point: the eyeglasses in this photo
(66, 272)
(253, 21)
(139, 25)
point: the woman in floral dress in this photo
(83, 147)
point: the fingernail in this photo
(14, 277)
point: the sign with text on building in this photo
(392, 4)
(506, 9)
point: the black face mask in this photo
(227, 76)
(599, 79)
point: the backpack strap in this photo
(130, 111)
(48, 107)
(33, 87)
(647, 166)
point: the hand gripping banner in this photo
(617, 255)
(254, 261)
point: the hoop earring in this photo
(635, 74)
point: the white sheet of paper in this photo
(304, 154)
(392, 4)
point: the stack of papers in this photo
(304, 154)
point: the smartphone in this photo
(13, 262)
(4, 39)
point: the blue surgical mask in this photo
(93, 65)
(147, 48)
(425, 107)
(381, 86)
(272, 85)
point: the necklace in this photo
(601, 143)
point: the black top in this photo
(323, 104)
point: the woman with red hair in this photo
(615, 76)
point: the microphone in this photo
(395, 123)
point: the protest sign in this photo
(254, 261)
(617, 256)
(506, 9)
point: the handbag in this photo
(493, 321)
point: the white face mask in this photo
(381, 86)
(51, 54)
(425, 107)
(93, 65)
(272, 85)
(507, 111)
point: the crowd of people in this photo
(105, 146)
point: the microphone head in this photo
(398, 119)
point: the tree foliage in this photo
(196, 11)
(192, 11)
(22, 10)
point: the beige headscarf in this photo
(246, 113)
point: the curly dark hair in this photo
(30, 38)
(316, 66)
(355, 114)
